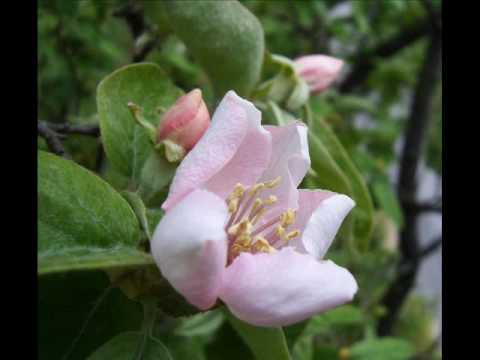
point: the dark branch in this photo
(83, 129)
(429, 249)
(415, 140)
(366, 61)
(420, 207)
(51, 138)
(133, 14)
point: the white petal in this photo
(190, 247)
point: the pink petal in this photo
(291, 160)
(190, 247)
(319, 216)
(235, 148)
(284, 287)
(319, 71)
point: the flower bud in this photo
(319, 71)
(183, 125)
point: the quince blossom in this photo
(236, 227)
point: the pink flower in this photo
(237, 229)
(184, 123)
(319, 71)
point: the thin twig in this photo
(51, 138)
(80, 129)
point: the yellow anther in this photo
(280, 231)
(256, 188)
(244, 240)
(233, 205)
(287, 218)
(237, 192)
(262, 245)
(292, 234)
(273, 183)
(234, 198)
(243, 227)
(272, 199)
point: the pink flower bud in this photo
(319, 71)
(186, 121)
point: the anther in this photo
(272, 199)
(271, 184)
(291, 235)
(262, 245)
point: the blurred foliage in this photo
(80, 42)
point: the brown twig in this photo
(51, 138)
(82, 129)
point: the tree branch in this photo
(83, 129)
(144, 41)
(420, 207)
(51, 138)
(366, 61)
(415, 140)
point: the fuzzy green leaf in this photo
(83, 223)
(232, 56)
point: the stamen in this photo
(291, 235)
(243, 227)
(258, 215)
(280, 231)
(272, 199)
(262, 245)
(256, 188)
(256, 205)
(273, 183)
(287, 218)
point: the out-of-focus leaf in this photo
(80, 312)
(126, 144)
(363, 212)
(200, 324)
(83, 222)
(123, 347)
(382, 349)
(386, 197)
(231, 57)
(265, 343)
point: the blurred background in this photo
(386, 109)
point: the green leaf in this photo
(386, 197)
(345, 315)
(382, 349)
(156, 174)
(127, 144)
(200, 324)
(83, 223)
(78, 312)
(363, 211)
(224, 37)
(265, 343)
(123, 346)
(329, 175)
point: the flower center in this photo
(247, 208)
